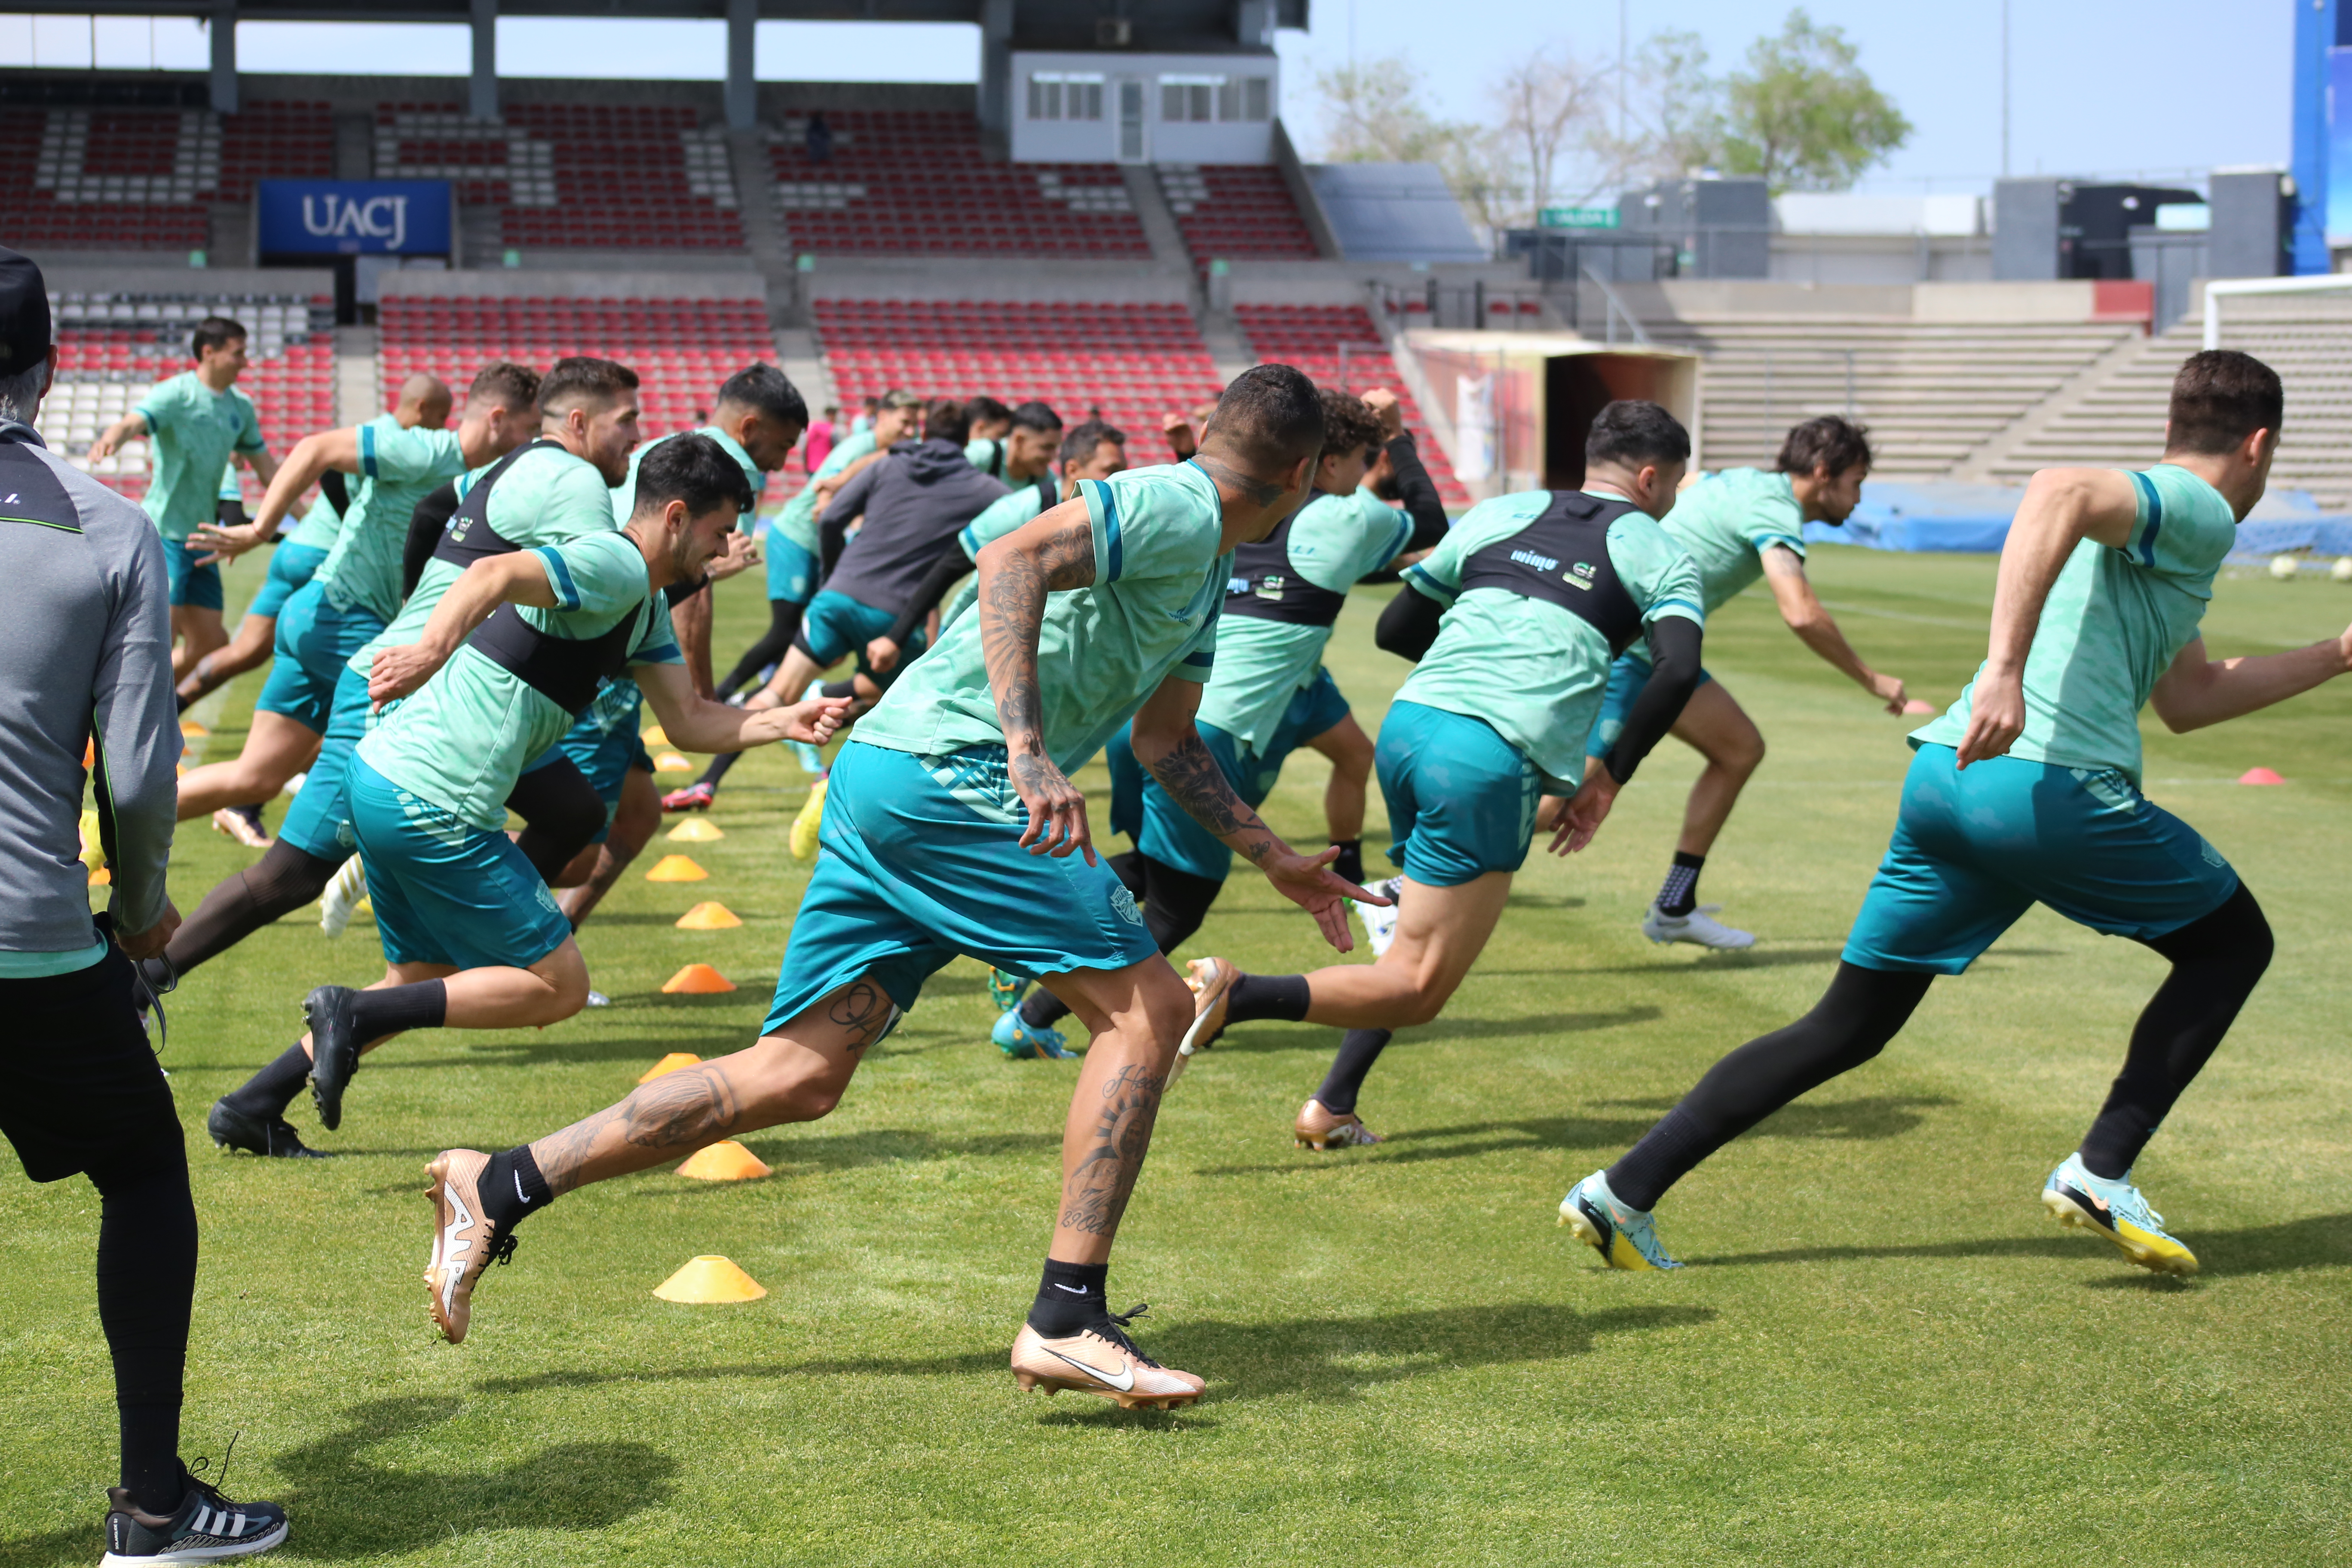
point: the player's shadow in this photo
(2319, 1241)
(1870, 1117)
(1447, 1027)
(807, 1154)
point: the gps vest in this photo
(468, 536)
(1264, 586)
(1562, 558)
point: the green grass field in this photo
(1882, 1351)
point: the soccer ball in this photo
(2342, 570)
(2283, 567)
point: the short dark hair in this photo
(985, 410)
(1032, 416)
(1348, 423)
(1828, 442)
(505, 385)
(1270, 418)
(2219, 398)
(1079, 444)
(693, 469)
(214, 332)
(945, 419)
(764, 389)
(1631, 431)
(584, 379)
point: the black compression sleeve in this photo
(830, 534)
(424, 525)
(949, 567)
(1674, 652)
(1418, 491)
(1408, 625)
(337, 490)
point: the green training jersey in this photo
(399, 465)
(318, 529)
(1160, 578)
(1728, 521)
(2110, 628)
(464, 739)
(1335, 540)
(192, 430)
(1530, 669)
(548, 497)
(797, 522)
(229, 487)
(1008, 514)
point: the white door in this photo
(1133, 146)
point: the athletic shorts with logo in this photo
(792, 570)
(446, 891)
(197, 587)
(314, 644)
(604, 759)
(1461, 800)
(291, 566)
(837, 625)
(320, 821)
(1627, 677)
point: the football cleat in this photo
(811, 760)
(1626, 1237)
(1101, 1359)
(1006, 989)
(1211, 982)
(808, 823)
(342, 897)
(204, 1528)
(334, 1050)
(1319, 1127)
(272, 1139)
(598, 999)
(242, 822)
(462, 1243)
(1380, 920)
(1699, 926)
(695, 796)
(2118, 1211)
(1023, 1041)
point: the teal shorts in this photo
(446, 891)
(314, 643)
(1461, 800)
(836, 625)
(291, 566)
(604, 758)
(1166, 831)
(1972, 851)
(197, 587)
(1627, 679)
(920, 859)
(791, 571)
(320, 821)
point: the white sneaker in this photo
(598, 999)
(811, 760)
(342, 897)
(1695, 927)
(1380, 922)
(294, 786)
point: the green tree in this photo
(1804, 114)
(1372, 113)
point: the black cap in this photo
(23, 314)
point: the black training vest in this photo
(1562, 558)
(469, 537)
(1264, 586)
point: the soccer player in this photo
(1513, 620)
(2027, 791)
(193, 421)
(1738, 525)
(952, 828)
(1270, 695)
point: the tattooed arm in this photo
(1052, 554)
(1166, 742)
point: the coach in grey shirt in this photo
(85, 660)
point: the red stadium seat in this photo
(1313, 338)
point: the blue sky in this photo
(2158, 86)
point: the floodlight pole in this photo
(742, 91)
(482, 88)
(223, 51)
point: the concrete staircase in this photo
(359, 386)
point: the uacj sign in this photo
(354, 218)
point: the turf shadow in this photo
(1418, 1145)
(2317, 1241)
(1445, 1029)
(1870, 1117)
(891, 1145)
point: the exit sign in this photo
(1579, 217)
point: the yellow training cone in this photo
(725, 1160)
(696, 980)
(653, 737)
(193, 730)
(710, 915)
(671, 763)
(710, 1280)
(695, 830)
(675, 868)
(101, 878)
(669, 1063)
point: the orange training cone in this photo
(671, 763)
(675, 868)
(88, 754)
(695, 830)
(653, 737)
(710, 1280)
(193, 730)
(709, 915)
(2260, 776)
(725, 1160)
(669, 1064)
(696, 980)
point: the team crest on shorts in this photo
(1122, 904)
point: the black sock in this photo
(376, 1014)
(146, 1286)
(184, 703)
(717, 771)
(1349, 866)
(837, 689)
(1283, 996)
(1042, 1009)
(269, 1092)
(1679, 893)
(512, 1189)
(1358, 1052)
(1069, 1299)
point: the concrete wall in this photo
(1879, 259)
(2065, 301)
(67, 275)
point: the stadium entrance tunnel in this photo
(1522, 403)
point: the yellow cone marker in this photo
(675, 868)
(726, 1160)
(101, 878)
(669, 1064)
(671, 763)
(193, 730)
(696, 980)
(710, 915)
(653, 737)
(695, 830)
(710, 1280)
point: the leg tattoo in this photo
(686, 1108)
(862, 1008)
(1095, 1194)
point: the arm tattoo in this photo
(1095, 1194)
(1258, 491)
(1012, 608)
(1190, 775)
(863, 1009)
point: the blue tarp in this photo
(1974, 520)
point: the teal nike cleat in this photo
(811, 760)
(2118, 1211)
(1024, 1042)
(1625, 1236)
(1006, 989)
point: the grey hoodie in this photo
(915, 501)
(85, 646)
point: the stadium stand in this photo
(112, 347)
(1133, 363)
(1337, 345)
(1240, 212)
(608, 176)
(915, 181)
(146, 179)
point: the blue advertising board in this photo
(354, 218)
(2338, 199)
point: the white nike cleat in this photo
(1101, 1361)
(342, 897)
(1698, 927)
(462, 1243)
(1211, 981)
(1380, 921)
